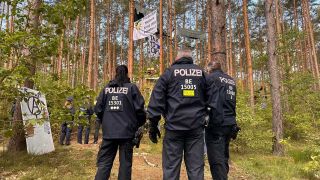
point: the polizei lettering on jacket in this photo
(227, 81)
(188, 72)
(116, 90)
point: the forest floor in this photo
(77, 161)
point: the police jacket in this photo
(121, 110)
(179, 96)
(86, 111)
(70, 112)
(221, 95)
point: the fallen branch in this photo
(145, 159)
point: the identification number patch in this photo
(189, 88)
(188, 93)
(114, 103)
(231, 94)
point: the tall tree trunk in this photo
(298, 43)
(60, 57)
(240, 45)
(175, 27)
(248, 52)
(67, 63)
(161, 64)
(203, 44)
(230, 42)
(170, 31)
(3, 5)
(107, 44)
(218, 23)
(6, 63)
(122, 39)
(114, 57)
(75, 53)
(197, 25)
(7, 17)
(109, 62)
(130, 50)
(11, 30)
(310, 31)
(91, 45)
(209, 29)
(83, 62)
(305, 48)
(275, 82)
(141, 64)
(17, 141)
(284, 67)
(96, 58)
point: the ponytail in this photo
(121, 77)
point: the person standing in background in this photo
(66, 126)
(86, 111)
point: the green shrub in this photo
(255, 131)
(303, 113)
(312, 167)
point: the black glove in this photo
(153, 133)
(137, 137)
(234, 132)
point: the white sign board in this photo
(34, 108)
(191, 33)
(146, 26)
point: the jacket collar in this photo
(184, 60)
(217, 71)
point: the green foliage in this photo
(255, 131)
(312, 168)
(56, 92)
(303, 114)
(309, 157)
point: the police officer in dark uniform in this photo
(86, 111)
(66, 127)
(222, 125)
(179, 96)
(120, 106)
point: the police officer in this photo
(222, 119)
(66, 127)
(120, 106)
(179, 96)
(85, 114)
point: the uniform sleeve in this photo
(157, 104)
(100, 105)
(138, 102)
(212, 97)
(90, 111)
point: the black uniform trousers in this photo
(217, 140)
(175, 145)
(66, 129)
(107, 153)
(86, 136)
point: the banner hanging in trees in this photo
(35, 118)
(191, 33)
(154, 46)
(139, 11)
(146, 26)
